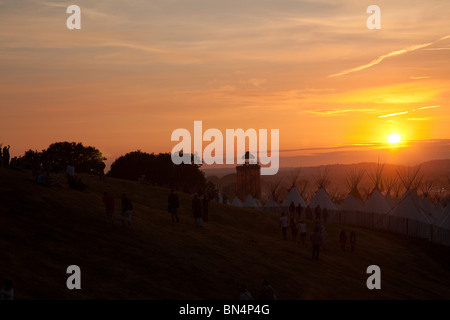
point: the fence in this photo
(390, 223)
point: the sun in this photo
(394, 138)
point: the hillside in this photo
(44, 230)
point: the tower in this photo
(248, 178)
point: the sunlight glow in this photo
(394, 138)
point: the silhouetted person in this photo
(6, 156)
(284, 224)
(7, 293)
(302, 230)
(108, 200)
(70, 171)
(197, 210)
(245, 294)
(353, 240)
(292, 208)
(325, 214)
(267, 292)
(173, 205)
(308, 213)
(343, 239)
(205, 209)
(299, 210)
(127, 210)
(293, 226)
(101, 170)
(318, 212)
(316, 239)
(41, 179)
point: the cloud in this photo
(429, 107)
(390, 54)
(328, 112)
(419, 77)
(393, 114)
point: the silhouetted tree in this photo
(160, 170)
(58, 155)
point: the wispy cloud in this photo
(419, 77)
(393, 114)
(388, 55)
(429, 107)
(328, 112)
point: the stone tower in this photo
(248, 179)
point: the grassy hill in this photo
(44, 230)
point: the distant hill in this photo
(44, 230)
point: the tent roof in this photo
(250, 202)
(322, 199)
(271, 203)
(237, 202)
(294, 196)
(377, 203)
(351, 203)
(410, 207)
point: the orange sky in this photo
(137, 70)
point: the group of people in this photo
(125, 214)
(4, 156)
(200, 209)
(319, 213)
(317, 237)
(266, 293)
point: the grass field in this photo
(44, 230)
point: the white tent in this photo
(322, 199)
(377, 203)
(391, 202)
(445, 218)
(429, 209)
(250, 202)
(294, 196)
(438, 213)
(410, 207)
(272, 206)
(219, 198)
(237, 202)
(352, 203)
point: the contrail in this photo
(390, 54)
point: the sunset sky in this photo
(139, 69)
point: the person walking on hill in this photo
(173, 205)
(293, 226)
(308, 213)
(245, 294)
(284, 224)
(299, 210)
(205, 209)
(127, 210)
(343, 239)
(197, 210)
(318, 212)
(267, 292)
(292, 208)
(108, 200)
(352, 240)
(316, 239)
(302, 230)
(7, 293)
(325, 215)
(6, 156)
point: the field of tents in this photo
(409, 214)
